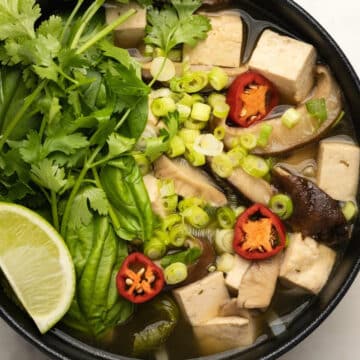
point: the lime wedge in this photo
(37, 264)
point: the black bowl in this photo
(293, 18)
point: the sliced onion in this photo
(162, 69)
(162, 92)
(208, 145)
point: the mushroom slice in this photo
(189, 181)
(283, 139)
(255, 189)
(315, 212)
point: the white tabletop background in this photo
(339, 336)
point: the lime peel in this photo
(37, 264)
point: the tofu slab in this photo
(307, 263)
(200, 301)
(258, 284)
(131, 33)
(222, 47)
(235, 275)
(338, 169)
(223, 333)
(288, 63)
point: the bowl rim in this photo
(37, 341)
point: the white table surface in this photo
(339, 336)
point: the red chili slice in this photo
(139, 279)
(259, 233)
(251, 97)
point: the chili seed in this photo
(140, 290)
(128, 281)
(243, 112)
(141, 272)
(151, 279)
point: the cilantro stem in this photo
(158, 73)
(112, 213)
(90, 12)
(124, 117)
(70, 19)
(121, 19)
(27, 103)
(75, 189)
(54, 210)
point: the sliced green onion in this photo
(149, 50)
(225, 262)
(196, 217)
(215, 98)
(178, 234)
(224, 241)
(197, 98)
(169, 221)
(162, 106)
(281, 205)
(160, 93)
(184, 111)
(188, 135)
(218, 78)
(175, 273)
(200, 111)
(225, 217)
(219, 132)
(255, 166)
(208, 145)
(142, 162)
(187, 100)
(234, 142)
(170, 203)
(248, 141)
(190, 82)
(264, 135)
(222, 165)
(317, 109)
(237, 155)
(166, 187)
(191, 201)
(162, 69)
(195, 124)
(349, 210)
(239, 210)
(155, 248)
(221, 110)
(193, 157)
(290, 118)
(176, 147)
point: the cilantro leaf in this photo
(67, 144)
(49, 175)
(88, 198)
(52, 26)
(119, 144)
(17, 18)
(176, 25)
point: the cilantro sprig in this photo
(175, 25)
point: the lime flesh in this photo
(37, 264)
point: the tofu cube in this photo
(200, 301)
(338, 169)
(258, 284)
(288, 63)
(235, 275)
(223, 45)
(307, 264)
(131, 33)
(223, 333)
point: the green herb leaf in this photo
(119, 144)
(176, 25)
(17, 18)
(317, 109)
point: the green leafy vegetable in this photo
(175, 25)
(186, 257)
